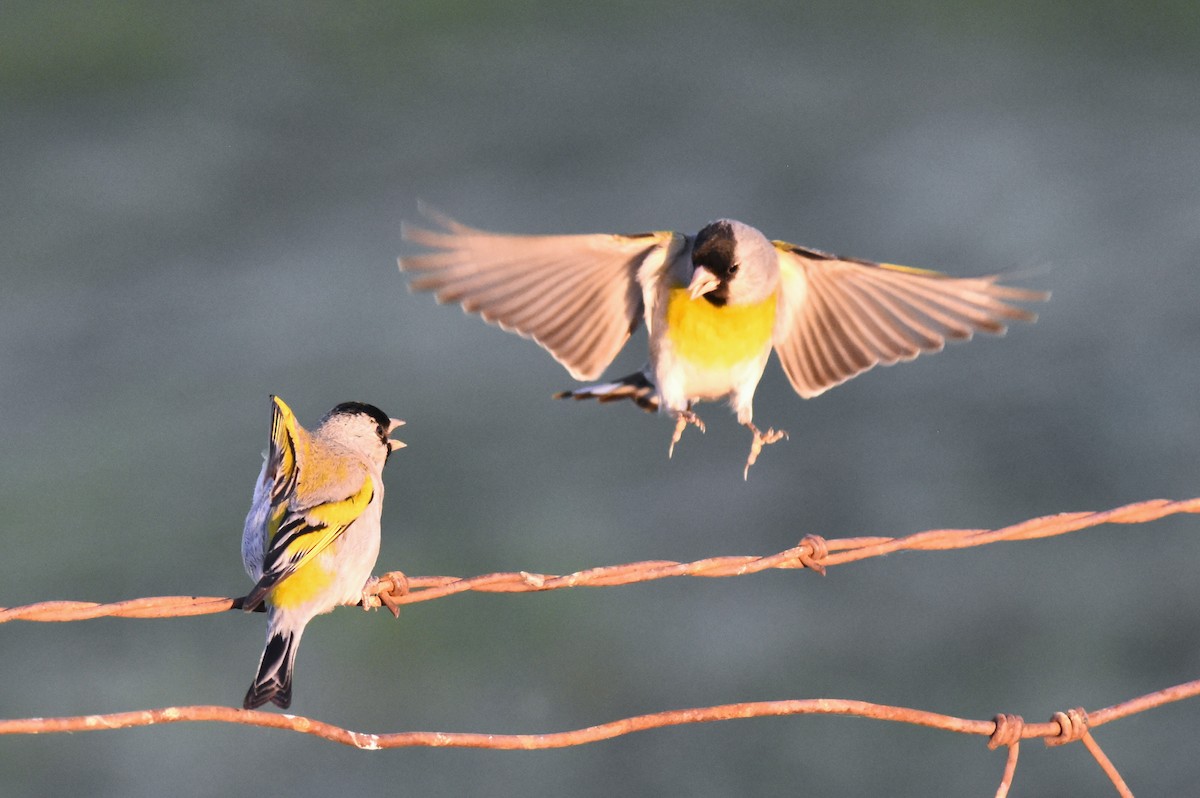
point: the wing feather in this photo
(281, 451)
(575, 295)
(840, 317)
(862, 308)
(843, 342)
(859, 322)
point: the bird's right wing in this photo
(576, 295)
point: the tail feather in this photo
(636, 387)
(274, 680)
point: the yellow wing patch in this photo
(300, 586)
(281, 456)
(718, 337)
(342, 514)
(818, 255)
(896, 267)
(326, 522)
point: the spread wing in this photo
(839, 317)
(575, 295)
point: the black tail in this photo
(636, 387)
(274, 680)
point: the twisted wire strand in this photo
(814, 552)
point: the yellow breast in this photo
(714, 336)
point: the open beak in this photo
(392, 443)
(702, 282)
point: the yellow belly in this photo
(715, 337)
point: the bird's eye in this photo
(733, 269)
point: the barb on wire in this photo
(813, 552)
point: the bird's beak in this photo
(702, 282)
(392, 443)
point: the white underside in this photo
(681, 382)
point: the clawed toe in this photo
(760, 440)
(384, 590)
(682, 419)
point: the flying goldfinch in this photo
(312, 533)
(715, 304)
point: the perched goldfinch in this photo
(715, 305)
(312, 533)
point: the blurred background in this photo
(201, 205)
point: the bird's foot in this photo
(384, 591)
(760, 440)
(682, 419)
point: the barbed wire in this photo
(1073, 725)
(814, 553)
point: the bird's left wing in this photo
(301, 533)
(575, 295)
(839, 317)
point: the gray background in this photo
(200, 206)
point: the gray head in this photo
(363, 427)
(733, 262)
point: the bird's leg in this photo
(760, 440)
(682, 419)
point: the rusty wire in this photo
(1005, 730)
(814, 553)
